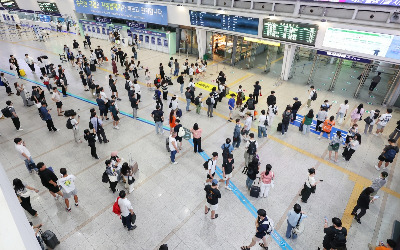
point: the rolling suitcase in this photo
(167, 144)
(255, 189)
(50, 239)
(93, 67)
(279, 126)
(22, 72)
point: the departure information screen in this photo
(48, 7)
(247, 25)
(9, 4)
(290, 31)
(372, 2)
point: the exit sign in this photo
(295, 32)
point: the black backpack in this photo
(157, 117)
(127, 87)
(69, 124)
(250, 104)
(286, 117)
(266, 121)
(208, 101)
(225, 151)
(339, 240)
(6, 112)
(105, 178)
(314, 96)
(252, 149)
(205, 164)
(197, 101)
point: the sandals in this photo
(245, 248)
(207, 211)
(263, 246)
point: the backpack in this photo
(314, 96)
(242, 95)
(197, 101)
(6, 112)
(157, 117)
(390, 154)
(91, 125)
(270, 224)
(127, 87)
(274, 110)
(339, 240)
(225, 151)
(286, 118)
(104, 177)
(266, 121)
(181, 132)
(250, 104)
(252, 148)
(169, 64)
(208, 101)
(205, 164)
(116, 209)
(69, 124)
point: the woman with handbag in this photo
(334, 145)
(267, 181)
(112, 176)
(357, 114)
(294, 219)
(307, 122)
(309, 186)
(127, 173)
(24, 196)
(371, 120)
(354, 143)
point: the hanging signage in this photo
(103, 19)
(295, 32)
(48, 7)
(149, 32)
(124, 10)
(9, 4)
(372, 2)
(136, 25)
(84, 22)
(343, 56)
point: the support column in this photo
(287, 61)
(233, 58)
(393, 90)
(267, 61)
(364, 75)
(336, 75)
(201, 41)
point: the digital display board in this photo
(9, 4)
(247, 25)
(295, 32)
(48, 7)
(372, 2)
(124, 10)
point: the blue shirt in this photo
(101, 103)
(229, 146)
(158, 94)
(292, 217)
(231, 103)
(45, 113)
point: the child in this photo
(243, 111)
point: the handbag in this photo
(131, 180)
(299, 227)
(272, 183)
(368, 120)
(113, 178)
(301, 127)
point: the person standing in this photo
(198, 103)
(239, 97)
(272, 112)
(177, 130)
(236, 134)
(307, 121)
(211, 166)
(263, 227)
(294, 218)
(113, 86)
(335, 235)
(327, 127)
(342, 111)
(251, 105)
(176, 65)
(354, 143)
(210, 105)
(334, 145)
(30, 62)
(102, 107)
(162, 73)
(227, 149)
(67, 184)
(247, 126)
(14, 65)
(362, 203)
(191, 85)
(98, 127)
(295, 108)
(158, 116)
(6, 84)
(371, 120)
(181, 81)
(75, 127)
(134, 103)
(311, 96)
(188, 96)
(49, 180)
(47, 117)
(196, 132)
(257, 91)
(212, 196)
(388, 154)
(25, 155)
(309, 186)
(112, 176)
(114, 67)
(287, 117)
(164, 88)
(375, 80)
(378, 183)
(271, 99)
(56, 97)
(231, 106)
(91, 139)
(227, 169)
(172, 120)
(396, 132)
(173, 147)
(321, 117)
(114, 114)
(126, 211)
(357, 114)
(251, 149)
(252, 169)
(267, 181)
(383, 121)
(24, 196)
(391, 245)
(14, 116)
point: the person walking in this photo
(126, 211)
(75, 127)
(354, 143)
(272, 112)
(251, 105)
(363, 202)
(383, 121)
(321, 117)
(91, 139)
(211, 166)
(29, 60)
(252, 171)
(192, 87)
(263, 227)
(20, 147)
(256, 91)
(371, 120)
(388, 154)
(227, 149)
(134, 103)
(271, 99)
(378, 183)
(188, 96)
(335, 235)
(176, 66)
(311, 96)
(181, 81)
(251, 149)
(158, 116)
(112, 176)
(67, 184)
(309, 185)
(267, 181)
(227, 169)
(342, 111)
(334, 145)
(357, 114)
(56, 97)
(231, 106)
(210, 105)
(287, 117)
(49, 180)
(396, 132)
(45, 113)
(374, 82)
(24, 196)
(13, 115)
(196, 132)
(236, 134)
(178, 130)
(173, 147)
(212, 196)
(239, 97)
(327, 127)
(294, 218)
(198, 103)
(97, 126)
(295, 108)
(308, 121)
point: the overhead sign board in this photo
(48, 7)
(295, 32)
(255, 40)
(124, 10)
(9, 4)
(371, 2)
(343, 56)
(103, 19)
(135, 25)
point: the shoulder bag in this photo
(299, 227)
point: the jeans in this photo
(236, 143)
(249, 182)
(188, 104)
(176, 71)
(197, 144)
(395, 134)
(368, 128)
(284, 128)
(173, 153)
(182, 85)
(306, 129)
(159, 127)
(339, 117)
(27, 162)
(289, 231)
(262, 132)
(126, 221)
(294, 113)
(210, 110)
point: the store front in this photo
(187, 41)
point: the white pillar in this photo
(287, 61)
(201, 41)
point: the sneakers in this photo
(132, 228)
(230, 189)
(384, 169)
(319, 137)
(76, 204)
(56, 130)
(20, 129)
(56, 197)
(116, 127)
(377, 168)
(68, 209)
(175, 162)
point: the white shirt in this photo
(212, 165)
(40, 64)
(271, 109)
(174, 104)
(56, 96)
(311, 94)
(191, 85)
(74, 123)
(343, 108)
(29, 60)
(191, 70)
(311, 181)
(171, 147)
(137, 88)
(248, 143)
(103, 96)
(67, 183)
(22, 149)
(384, 119)
(247, 123)
(124, 205)
(261, 120)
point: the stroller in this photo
(63, 58)
(133, 174)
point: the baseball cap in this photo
(214, 182)
(295, 98)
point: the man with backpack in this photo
(9, 112)
(388, 155)
(227, 149)
(251, 104)
(335, 235)
(286, 119)
(264, 226)
(180, 132)
(96, 125)
(251, 150)
(45, 115)
(210, 165)
(212, 196)
(158, 116)
(271, 99)
(210, 104)
(197, 102)
(173, 147)
(125, 210)
(312, 96)
(72, 123)
(188, 96)
(231, 106)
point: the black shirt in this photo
(271, 99)
(228, 166)
(330, 233)
(252, 175)
(46, 176)
(157, 114)
(176, 129)
(134, 104)
(257, 89)
(212, 195)
(296, 105)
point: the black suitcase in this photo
(93, 67)
(255, 191)
(279, 126)
(167, 144)
(50, 239)
(69, 112)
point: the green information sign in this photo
(290, 31)
(48, 7)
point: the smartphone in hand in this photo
(321, 180)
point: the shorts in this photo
(103, 112)
(178, 138)
(210, 177)
(259, 237)
(116, 118)
(70, 194)
(331, 149)
(378, 126)
(381, 158)
(113, 89)
(230, 112)
(212, 207)
(228, 176)
(53, 189)
(59, 105)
